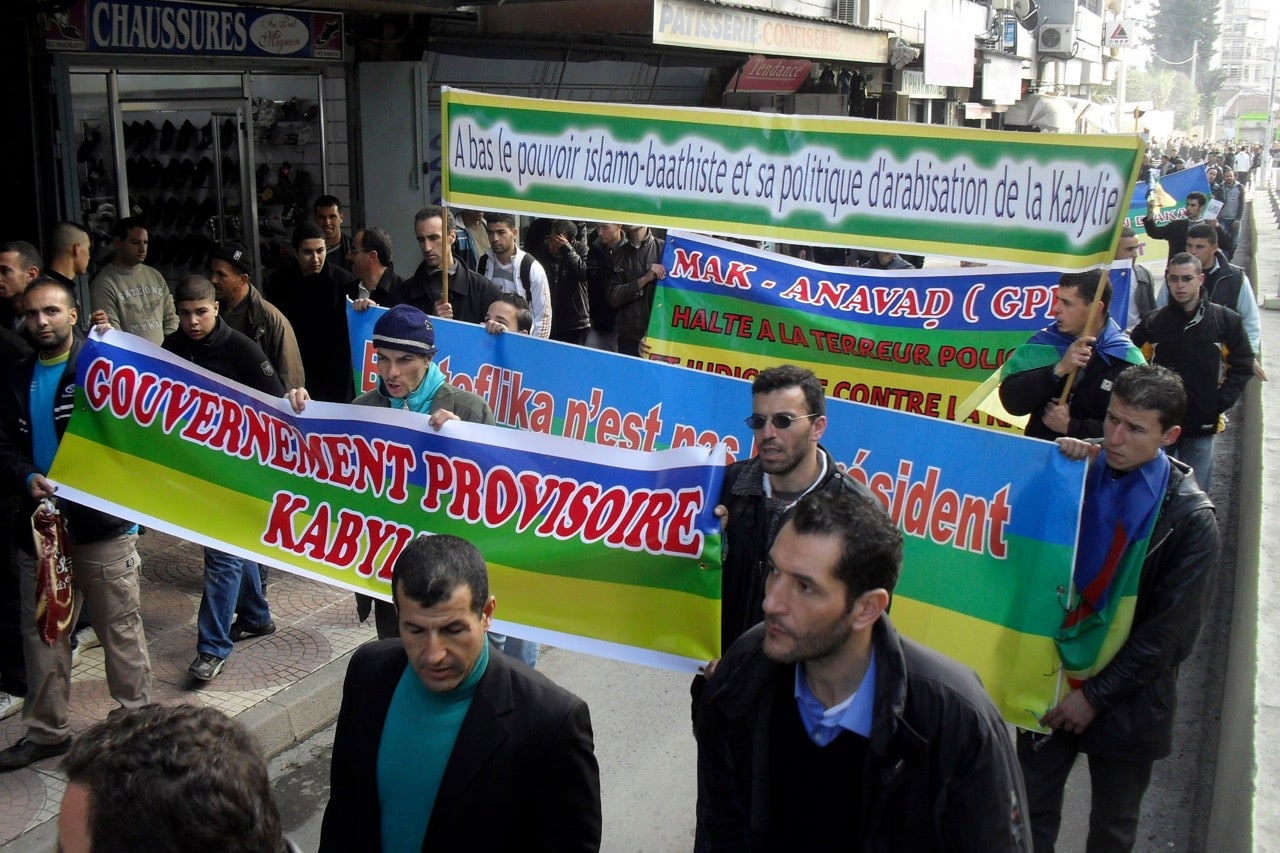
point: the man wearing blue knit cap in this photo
(405, 343)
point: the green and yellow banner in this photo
(1053, 200)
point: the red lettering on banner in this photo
(660, 521)
(944, 516)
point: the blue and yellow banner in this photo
(989, 519)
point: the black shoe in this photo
(204, 668)
(26, 752)
(186, 133)
(167, 130)
(240, 631)
(206, 136)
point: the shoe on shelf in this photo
(26, 752)
(204, 668)
(240, 631)
(87, 638)
(10, 704)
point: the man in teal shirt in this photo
(441, 745)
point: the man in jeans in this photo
(39, 396)
(232, 584)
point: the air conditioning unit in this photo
(1056, 40)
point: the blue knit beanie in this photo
(407, 329)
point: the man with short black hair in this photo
(604, 317)
(567, 274)
(242, 307)
(39, 396)
(327, 210)
(232, 606)
(637, 267)
(20, 265)
(1175, 230)
(371, 262)
(1145, 560)
(70, 254)
(313, 295)
(134, 297)
(1227, 285)
(438, 737)
(1196, 338)
(514, 271)
(1033, 379)
(508, 313)
(167, 779)
(469, 292)
(788, 418)
(824, 729)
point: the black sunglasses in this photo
(779, 421)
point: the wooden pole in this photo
(1092, 326)
(446, 255)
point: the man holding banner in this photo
(1036, 374)
(39, 398)
(1175, 231)
(1147, 550)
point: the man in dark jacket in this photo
(242, 307)
(567, 274)
(1034, 377)
(637, 269)
(313, 294)
(39, 398)
(233, 606)
(442, 744)
(1121, 706)
(1175, 230)
(1193, 336)
(788, 418)
(823, 729)
(470, 293)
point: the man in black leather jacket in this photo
(1122, 713)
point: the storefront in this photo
(207, 123)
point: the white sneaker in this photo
(87, 638)
(75, 656)
(9, 705)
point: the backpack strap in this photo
(526, 267)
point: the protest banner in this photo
(912, 340)
(1053, 200)
(1174, 187)
(989, 519)
(629, 538)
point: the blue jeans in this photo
(525, 650)
(1197, 451)
(231, 587)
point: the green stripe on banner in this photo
(570, 559)
(1023, 598)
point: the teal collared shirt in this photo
(853, 714)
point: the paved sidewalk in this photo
(281, 686)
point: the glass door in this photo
(184, 179)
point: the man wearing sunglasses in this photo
(788, 417)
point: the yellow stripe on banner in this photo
(661, 620)
(1031, 686)
(631, 615)
(856, 372)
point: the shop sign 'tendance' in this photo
(148, 27)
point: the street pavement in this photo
(286, 688)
